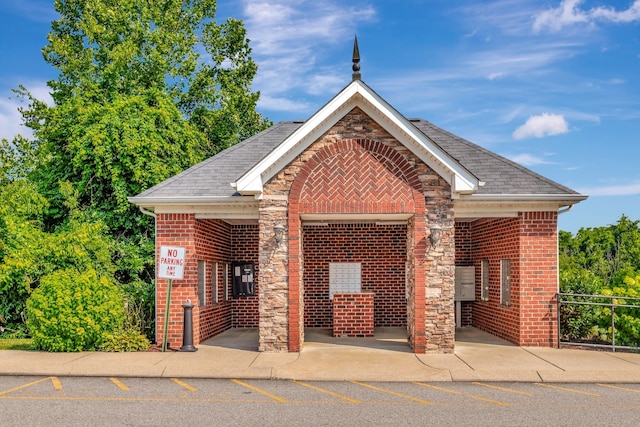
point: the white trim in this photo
(357, 94)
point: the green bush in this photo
(72, 311)
(124, 340)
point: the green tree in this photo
(28, 252)
(609, 253)
(145, 89)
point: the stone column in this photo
(273, 299)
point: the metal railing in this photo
(578, 314)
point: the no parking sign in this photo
(171, 262)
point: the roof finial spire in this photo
(356, 60)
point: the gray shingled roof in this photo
(212, 178)
(500, 175)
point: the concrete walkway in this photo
(478, 357)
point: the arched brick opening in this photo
(366, 177)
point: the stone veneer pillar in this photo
(273, 298)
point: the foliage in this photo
(16, 343)
(601, 261)
(139, 307)
(72, 311)
(124, 340)
(626, 320)
(28, 253)
(609, 253)
(145, 89)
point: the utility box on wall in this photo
(243, 279)
(465, 284)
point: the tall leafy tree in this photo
(145, 89)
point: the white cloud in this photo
(569, 13)
(285, 104)
(528, 159)
(613, 190)
(11, 119)
(543, 125)
(289, 39)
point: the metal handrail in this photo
(610, 304)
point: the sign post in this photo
(171, 267)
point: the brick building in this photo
(360, 218)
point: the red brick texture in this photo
(530, 243)
(218, 244)
(382, 251)
(353, 315)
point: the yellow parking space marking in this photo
(325, 391)
(571, 390)
(120, 384)
(261, 391)
(393, 393)
(183, 384)
(471, 396)
(508, 390)
(20, 387)
(57, 385)
(54, 380)
(633, 390)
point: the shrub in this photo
(124, 340)
(71, 311)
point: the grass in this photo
(16, 344)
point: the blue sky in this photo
(551, 84)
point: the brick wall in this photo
(176, 230)
(530, 243)
(244, 243)
(539, 279)
(218, 244)
(213, 245)
(353, 315)
(382, 250)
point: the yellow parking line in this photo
(633, 390)
(20, 387)
(57, 385)
(471, 396)
(259, 390)
(571, 390)
(183, 384)
(393, 393)
(119, 383)
(509, 390)
(329, 392)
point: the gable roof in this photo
(235, 176)
(358, 94)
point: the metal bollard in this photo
(187, 332)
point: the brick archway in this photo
(358, 176)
